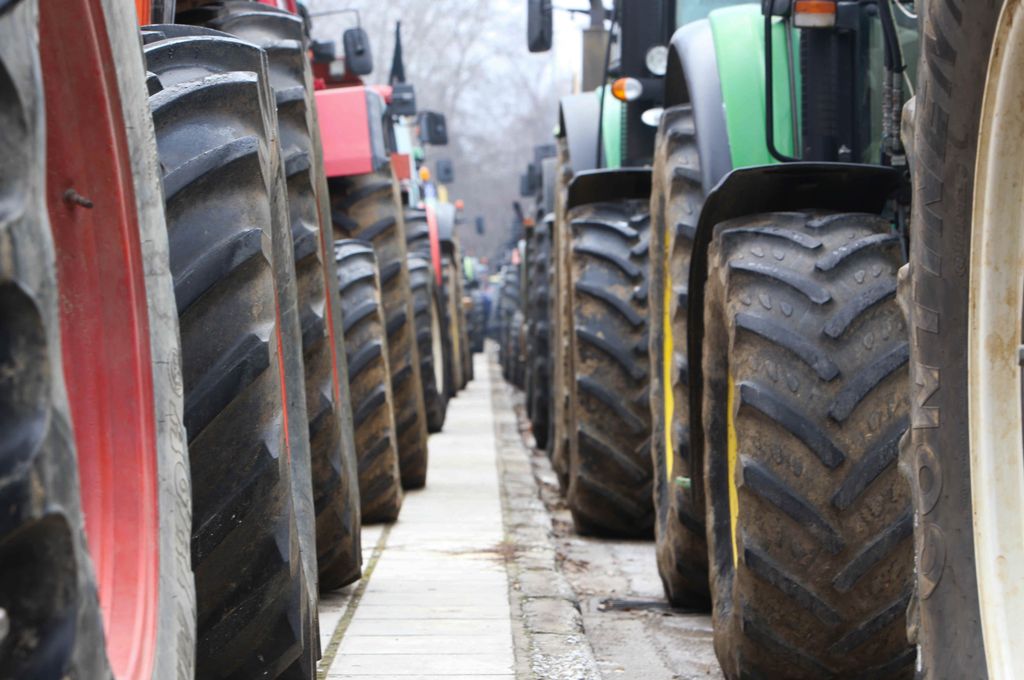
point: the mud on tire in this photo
(332, 448)
(231, 260)
(937, 454)
(538, 351)
(679, 510)
(560, 314)
(609, 459)
(805, 401)
(380, 480)
(368, 207)
(431, 341)
(451, 323)
(48, 589)
(508, 334)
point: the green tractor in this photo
(733, 208)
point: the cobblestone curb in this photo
(547, 626)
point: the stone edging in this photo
(547, 626)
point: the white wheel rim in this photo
(994, 340)
(436, 349)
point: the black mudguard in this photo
(595, 186)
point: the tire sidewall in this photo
(936, 454)
(176, 633)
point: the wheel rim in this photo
(104, 324)
(994, 342)
(436, 349)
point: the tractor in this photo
(733, 209)
(364, 175)
(429, 220)
(178, 468)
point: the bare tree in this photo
(467, 59)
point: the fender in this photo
(548, 170)
(435, 241)
(739, 52)
(352, 128)
(841, 187)
(692, 78)
(446, 226)
(594, 186)
(578, 115)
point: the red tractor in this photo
(177, 465)
(363, 177)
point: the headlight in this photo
(652, 117)
(657, 60)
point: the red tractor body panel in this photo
(289, 5)
(435, 243)
(402, 165)
(345, 128)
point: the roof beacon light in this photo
(814, 14)
(627, 89)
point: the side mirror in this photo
(433, 128)
(445, 171)
(358, 57)
(323, 51)
(403, 99)
(539, 28)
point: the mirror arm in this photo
(330, 12)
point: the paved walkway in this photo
(434, 599)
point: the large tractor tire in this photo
(435, 392)
(417, 232)
(328, 405)
(477, 321)
(430, 340)
(234, 280)
(963, 457)
(805, 401)
(679, 505)
(517, 338)
(450, 321)
(465, 353)
(88, 319)
(560, 314)
(609, 460)
(380, 478)
(368, 207)
(538, 350)
(508, 333)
